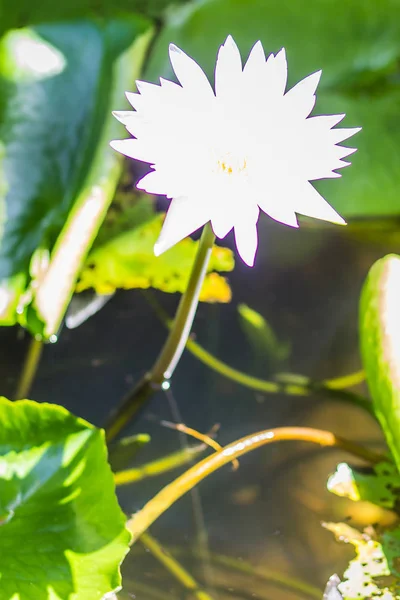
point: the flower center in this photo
(231, 165)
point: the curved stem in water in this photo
(175, 490)
(264, 573)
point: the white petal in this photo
(256, 61)
(343, 151)
(132, 121)
(184, 216)
(146, 88)
(133, 149)
(153, 183)
(310, 203)
(327, 121)
(300, 99)
(255, 85)
(123, 115)
(169, 85)
(280, 208)
(221, 223)
(246, 238)
(134, 100)
(189, 73)
(339, 135)
(228, 69)
(276, 72)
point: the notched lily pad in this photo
(127, 261)
(369, 575)
(62, 533)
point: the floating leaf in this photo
(368, 575)
(262, 337)
(62, 533)
(380, 345)
(128, 261)
(123, 451)
(361, 80)
(380, 484)
(58, 84)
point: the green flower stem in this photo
(179, 333)
(291, 385)
(174, 346)
(174, 567)
(29, 369)
(143, 519)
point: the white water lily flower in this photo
(223, 155)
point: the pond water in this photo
(268, 513)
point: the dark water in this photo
(306, 283)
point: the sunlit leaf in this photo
(380, 345)
(360, 79)
(368, 575)
(380, 484)
(62, 533)
(58, 84)
(128, 261)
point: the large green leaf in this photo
(380, 345)
(357, 46)
(20, 13)
(58, 84)
(62, 533)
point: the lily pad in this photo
(62, 533)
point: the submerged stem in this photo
(171, 352)
(271, 576)
(29, 369)
(175, 490)
(174, 567)
(159, 466)
(287, 384)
